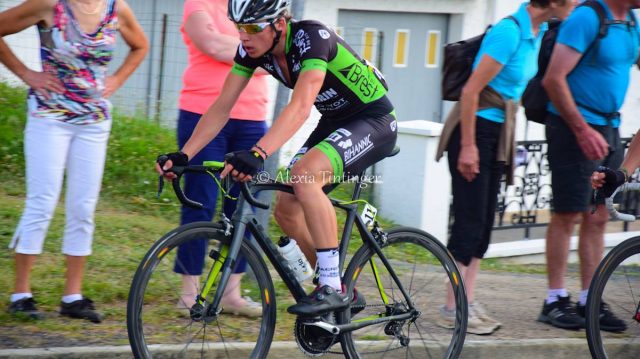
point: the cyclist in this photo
(357, 127)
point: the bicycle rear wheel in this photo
(423, 266)
(617, 283)
(156, 316)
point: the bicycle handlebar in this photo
(608, 202)
(210, 168)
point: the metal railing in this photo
(528, 202)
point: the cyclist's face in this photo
(257, 44)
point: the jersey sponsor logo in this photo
(344, 131)
(345, 144)
(362, 79)
(354, 152)
(296, 67)
(334, 137)
(301, 152)
(375, 70)
(327, 95)
(269, 67)
(302, 41)
(241, 51)
(394, 125)
(324, 34)
(336, 105)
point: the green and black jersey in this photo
(351, 83)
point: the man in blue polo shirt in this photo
(587, 80)
(478, 137)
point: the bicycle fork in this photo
(221, 267)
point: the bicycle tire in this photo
(617, 279)
(153, 317)
(407, 249)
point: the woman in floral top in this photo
(68, 125)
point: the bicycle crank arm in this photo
(337, 329)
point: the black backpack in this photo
(456, 68)
(457, 64)
(535, 99)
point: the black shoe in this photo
(608, 320)
(357, 303)
(322, 300)
(81, 309)
(25, 308)
(561, 314)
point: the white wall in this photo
(25, 45)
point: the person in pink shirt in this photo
(212, 40)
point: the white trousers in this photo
(50, 147)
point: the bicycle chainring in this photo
(314, 341)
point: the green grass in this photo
(128, 220)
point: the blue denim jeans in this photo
(236, 135)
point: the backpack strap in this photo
(510, 17)
(603, 27)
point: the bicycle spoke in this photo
(157, 289)
(417, 262)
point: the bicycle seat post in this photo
(358, 189)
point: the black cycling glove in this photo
(612, 180)
(247, 162)
(179, 159)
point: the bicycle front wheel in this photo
(616, 283)
(157, 314)
(425, 269)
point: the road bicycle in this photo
(616, 283)
(399, 276)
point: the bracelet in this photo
(266, 155)
(626, 173)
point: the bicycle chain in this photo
(335, 337)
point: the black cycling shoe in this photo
(357, 303)
(81, 309)
(608, 321)
(322, 300)
(25, 308)
(561, 314)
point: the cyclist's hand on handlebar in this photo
(606, 180)
(242, 165)
(165, 163)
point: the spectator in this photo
(582, 133)
(478, 137)
(68, 125)
(212, 41)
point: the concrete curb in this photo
(527, 348)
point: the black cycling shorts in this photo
(354, 144)
(571, 170)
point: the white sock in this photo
(328, 263)
(583, 296)
(17, 296)
(553, 294)
(71, 298)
